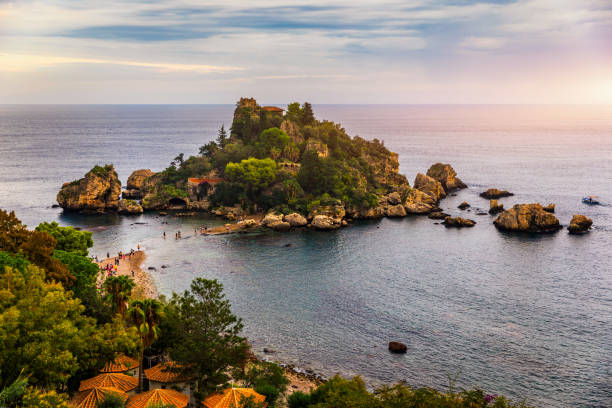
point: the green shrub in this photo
(298, 400)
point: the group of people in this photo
(112, 268)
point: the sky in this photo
(322, 51)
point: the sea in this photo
(526, 316)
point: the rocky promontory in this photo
(97, 192)
(136, 182)
(527, 218)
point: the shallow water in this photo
(525, 316)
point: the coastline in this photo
(145, 287)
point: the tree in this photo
(178, 160)
(44, 333)
(146, 316)
(67, 238)
(272, 139)
(307, 116)
(254, 174)
(222, 138)
(36, 246)
(206, 334)
(267, 379)
(118, 291)
(209, 149)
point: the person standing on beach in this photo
(132, 273)
(138, 246)
(164, 234)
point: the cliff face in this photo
(98, 191)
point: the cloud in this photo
(23, 63)
(138, 33)
(483, 43)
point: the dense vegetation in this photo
(286, 161)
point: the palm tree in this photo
(145, 315)
(118, 291)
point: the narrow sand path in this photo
(145, 288)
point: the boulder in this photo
(458, 222)
(580, 224)
(397, 348)
(370, 213)
(430, 186)
(280, 226)
(495, 193)
(495, 207)
(418, 202)
(137, 178)
(248, 223)
(295, 220)
(337, 212)
(98, 191)
(396, 211)
(394, 198)
(527, 218)
(129, 207)
(271, 218)
(463, 205)
(447, 176)
(324, 223)
(549, 208)
(438, 215)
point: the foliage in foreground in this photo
(339, 392)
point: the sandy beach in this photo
(145, 288)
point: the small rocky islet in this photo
(289, 170)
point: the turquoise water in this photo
(525, 316)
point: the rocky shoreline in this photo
(100, 192)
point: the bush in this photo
(112, 401)
(298, 400)
(269, 391)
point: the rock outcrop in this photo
(97, 192)
(550, 208)
(495, 207)
(418, 202)
(579, 224)
(447, 176)
(129, 207)
(495, 193)
(527, 218)
(295, 220)
(397, 347)
(271, 218)
(325, 223)
(458, 222)
(135, 184)
(279, 226)
(396, 211)
(463, 205)
(430, 186)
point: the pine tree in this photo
(222, 138)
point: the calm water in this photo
(519, 315)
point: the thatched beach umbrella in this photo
(120, 364)
(232, 397)
(92, 397)
(122, 382)
(158, 396)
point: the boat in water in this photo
(590, 200)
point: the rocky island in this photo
(300, 170)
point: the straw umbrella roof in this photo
(92, 397)
(119, 381)
(158, 396)
(168, 372)
(121, 364)
(231, 397)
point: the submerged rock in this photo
(495, 207)
(527, 218)
(458, 222)
(550, 208)
(463, 205)
(98, 191)
(397, 347)
(580, 224)
(438, 215)
(495, 193)
(295, 220)
(129, 207)
(447, 176)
